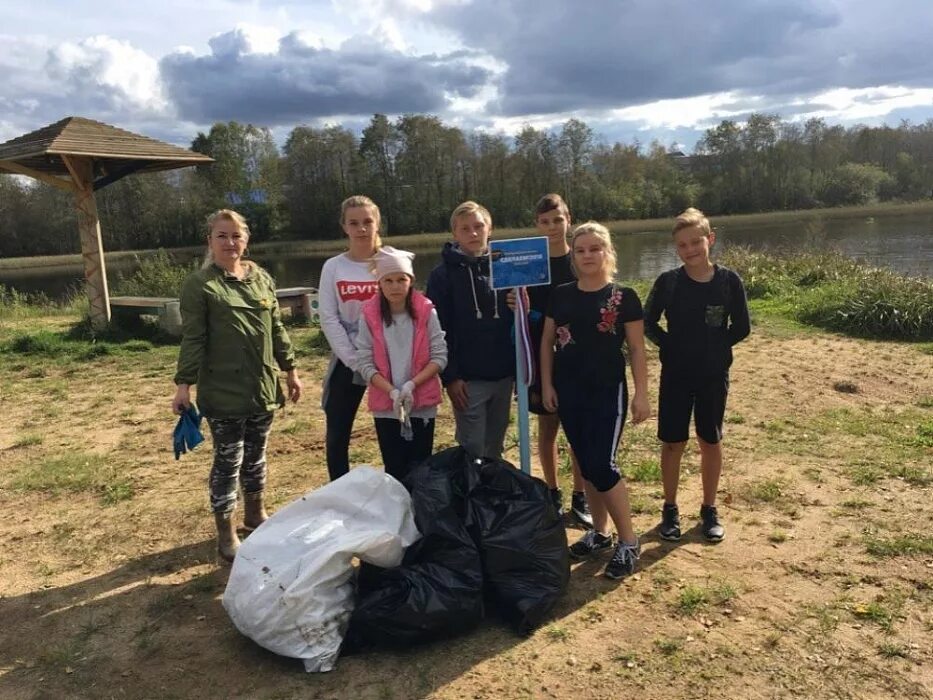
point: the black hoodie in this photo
(476, 319)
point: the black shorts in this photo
(682, 394)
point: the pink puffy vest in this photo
(428, 393)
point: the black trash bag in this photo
(521, 539)
(437, 591)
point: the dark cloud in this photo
(605, 53)
(301, 82)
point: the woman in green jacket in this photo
(233, 346)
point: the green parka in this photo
(233, 342)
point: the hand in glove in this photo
(396, 397)
(408, 390)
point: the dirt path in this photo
(823, 587)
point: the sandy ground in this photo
(823, 587)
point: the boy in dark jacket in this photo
(706, 313)
(478, 326)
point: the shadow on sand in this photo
(155, 627)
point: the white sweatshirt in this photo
(345, 285)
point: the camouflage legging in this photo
(239, 450)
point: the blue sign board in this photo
(519, 262)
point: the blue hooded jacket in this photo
(476, 319)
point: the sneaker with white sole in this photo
(623, 561)
(590, 543)
(580, 509)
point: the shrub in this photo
(877, 304)
(832, 291)
(157, 276)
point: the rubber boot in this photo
(254, 511)
(227, 540)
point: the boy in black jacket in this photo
(478, 325)
(706, 313)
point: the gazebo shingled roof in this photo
(80, 156)
(116, 152)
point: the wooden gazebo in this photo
(81, 156)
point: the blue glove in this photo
(187, 433)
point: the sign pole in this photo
(514, 264)
(524, 438)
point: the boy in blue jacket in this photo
(478, 326)
(707, 313)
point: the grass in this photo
(856, 504)
(692, 599)
(645, 471)
(28, 440)
(875, 612)
(900, 545)
(767, 490)
(668, 647)
(79, 344)
(892, 650)
(74, 473)
(557, 633)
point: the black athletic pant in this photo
(343, 401)
(399, 454)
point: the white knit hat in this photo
(389, 260)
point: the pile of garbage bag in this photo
(490, 541)
(490, 537)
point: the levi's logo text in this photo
(356, 291)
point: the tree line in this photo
(418, 168)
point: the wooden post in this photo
(92, 249)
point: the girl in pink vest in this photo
(400, 351)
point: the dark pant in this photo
(593, 418)
(343, 401)
(399, 454)
(239, 453)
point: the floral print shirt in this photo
(590, 331)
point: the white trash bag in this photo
(290, 588)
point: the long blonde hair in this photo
(226, 215)
(602, 233)
(361, 200)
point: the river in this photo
(904, 243)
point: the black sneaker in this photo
(669, 529)
(580, 509)
(623, 561)
(557, 498)
(590, 543)
(712, 529)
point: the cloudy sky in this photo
(632, 69)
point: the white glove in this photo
(396, 397)
(408, 389)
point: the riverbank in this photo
(821, 588)
(420, 240)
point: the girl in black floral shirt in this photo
(583, 378)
